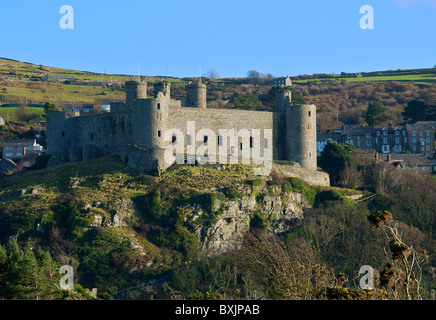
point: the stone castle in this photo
(137, 130)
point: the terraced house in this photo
(418, 138)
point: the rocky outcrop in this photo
(234, 220)
(124, 210)
(231, 218)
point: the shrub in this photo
(329, 195)
(232, 194)
(41, 161)
(259, 222)
(287, 187)
(206, 200)
(259, 198)
(296, 184)
(256, 182)
(188, 242)
(380, 218)
(156, 210)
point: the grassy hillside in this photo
(420, 76)
(56, 209)
(10, 113)
(20, 82)
(64, 201)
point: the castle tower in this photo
(135, 90)
(301, 135)
(283, 99)
(164, 87)
(196, 94)
(154, 112)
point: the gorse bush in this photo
(156, 210)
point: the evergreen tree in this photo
(49, 107)
(333, 159)
(248, 102)
(376, 113)
(416, 110)
(25, 274)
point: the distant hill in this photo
(340, 99)
(419, 76)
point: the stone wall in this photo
(312, 177)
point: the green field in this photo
(41, 92)
(10, 113)
(425, 78)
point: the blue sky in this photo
(180, 37)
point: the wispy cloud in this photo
(409, 3)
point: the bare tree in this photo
(350, 177)
(254, 74)
(403, 274)
(212, 73)
(322, 229)
(291, 272)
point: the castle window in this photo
(251, 142)
(205, 140)
(158, 133)
(240, 146)
(173, 139)
(158, 105)
(309, 113)
(220, 140)
(265, 143)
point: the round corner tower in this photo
(135, 90)
(301, 135)
(156, 112)
(196, 94)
